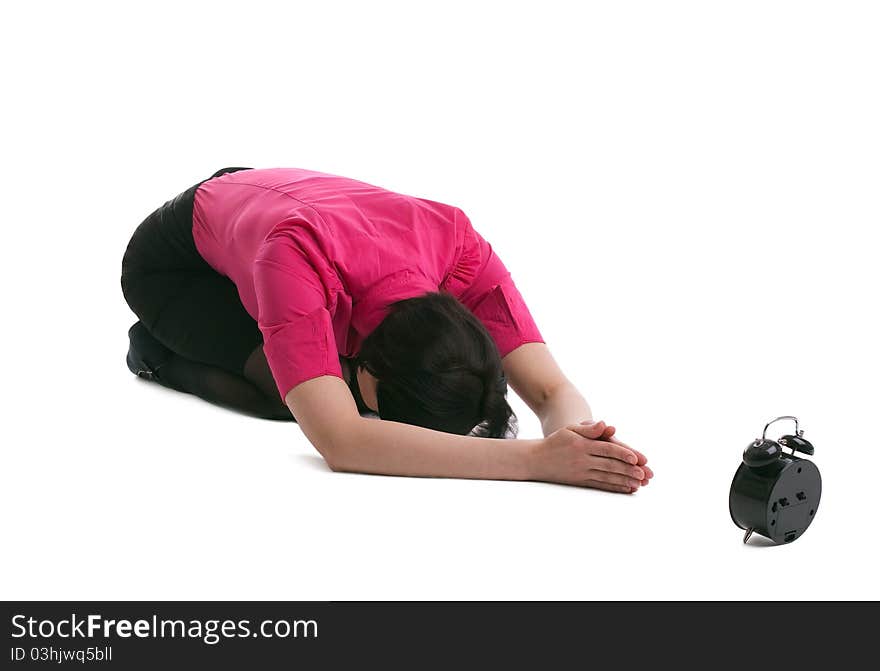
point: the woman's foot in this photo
(145, 354)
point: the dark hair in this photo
(437, 366)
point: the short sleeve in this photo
(298, 337)
(482, 282)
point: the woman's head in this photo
(437, 366)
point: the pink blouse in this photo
(317, 258)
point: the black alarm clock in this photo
(773, 493)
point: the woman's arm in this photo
(537, 379)
(326, 413)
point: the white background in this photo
(686, 194)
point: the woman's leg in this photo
(217, 386)
(211, 383)
(202, 342)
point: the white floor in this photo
(146, 493)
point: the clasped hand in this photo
(587, 454)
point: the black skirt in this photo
(185, 304)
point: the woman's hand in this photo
(608, 434)
(582, 454)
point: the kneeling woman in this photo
(298, 295)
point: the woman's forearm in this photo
(565, 405)
(394, 448)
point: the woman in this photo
(299, 295)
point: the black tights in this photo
(253, 393)
(221, 387)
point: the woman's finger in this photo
(609, 430)
(614, 479)
(620, 442)
(603, 448)
(592, 430)
(596, 484)
(608, 435)
(641, 457)
(617, 466)
(641, 460)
